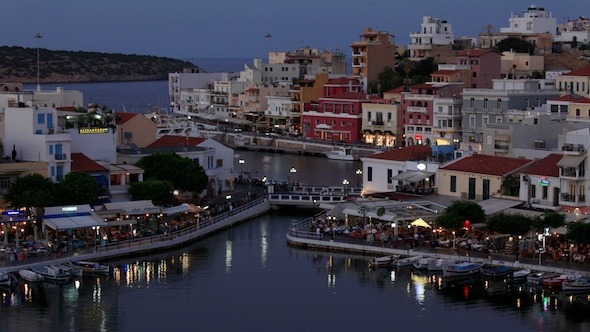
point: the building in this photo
(311, 61)
(540, 183)
(381, 123)
(380, 169)
(484, 66)
(480, 177)
(371, 54)
(270, 73)
(521, 65)
(435, 37)
(13, 95)
(82, 164)
(574, 175)
(575, 82)
(191, 79)
(134, 130)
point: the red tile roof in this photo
(412, 152)
(66, 108)
(397, 90)
(486, 164)
(572, 98)
(81, 163)
(171, 140)
(546, 166)
(579, 72)
(475, 52)
(123, 117)
(343, 80)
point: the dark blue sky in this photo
(236, 28)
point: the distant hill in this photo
(19, 64)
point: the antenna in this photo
(124, 110)
(38, 37)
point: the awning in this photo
(404, 175)
(420, 222)
(131, 207)
(570, 161)
(493, 205)
(420, 176)
(177, 209)
(71, 217)
(503, 138)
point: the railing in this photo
(297, 229)
(204, 224)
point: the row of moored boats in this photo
(461, 269)
(62, 274)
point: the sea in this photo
(247, 278)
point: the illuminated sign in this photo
(69, 209)
(93, 130)
(544, 182)
(419, 137)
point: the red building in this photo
(484, 64)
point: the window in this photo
(453, 183)
(485, 103)
(533, 191)
(40, 118)
(51, 149)
(472, 102)
(499, 103)
(369, 173)
(368, 116)
(4, 182)
(389, 176)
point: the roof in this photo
(412, 152)
(486, 164)
(122, 117)
(397, 90)
(546, 166)
(475, 52)
(445, 72)
(167, 141)
(573, 98)
(579, 72)
(349, 95)
(81, 163)
(343, 80)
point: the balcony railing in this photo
(377, 123)
(416, 109)
(568, 197)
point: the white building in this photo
(433, 31)
(12, 95)
(276, 73)
(279, 111)
(532, 21)
(178, 82)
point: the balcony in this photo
(416, 109)
(572, 173)
(573, 149)
(60, 157)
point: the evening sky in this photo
(237, 28)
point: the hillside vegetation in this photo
(19, 64)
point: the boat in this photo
(462, 269)
(424, 262)
(537, 278)
(557, 282)
(90, 267)
(581, 284)
(7, 279)
(519, 276)
(496, 271)
(52, 274)
(341, 153)
(73, 271)
(383, 261)
(30, 276)
(407, 261)
(439, 264)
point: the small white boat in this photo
(30, 276)
(462, 269)
(342, 153)
(52, 274)
(90, 267)
(581, 284)
(439, 264)
(423, 263)
(73, 271)
(407, 261)
(519, 276)
(7, 279)
(383, 261)
(538, 277)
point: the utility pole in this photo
(38, 37)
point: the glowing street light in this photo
(359, 173)
(241, 162)
(345, 184)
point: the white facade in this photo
(43, 98)
(96, 145)
(33, 134)
(276, 73)
(382, 171)
(532, 21)
(178, 82)
(278, 106)
(433, 31)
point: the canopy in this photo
(420, 222)
(71, 217)
(571, 161)
(184, 207)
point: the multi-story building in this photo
(370, 55)
(574, 174)
(484, 66)
(575, 82)
(483, 106)
(521, 65)
(417, 107)
(270, 73)
(191, 78)
(381, 124)
(435, 36)
(13, 95)
(278, 112)
(311, 61)
(540, 183)
(134, 129)
(304, 92)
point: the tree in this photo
(32, 191)
(77, 188)
(457, 213)
(389, 79)
(515, 224)
(515, 44)
(551, 219)
(160, 192)
(578, 232)
(574, 42)
(182, 172)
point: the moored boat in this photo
(536, 278)
(383, 261)
(557, 282)
(462, 269)
(52, 274)
(30, 276)
(7, 279)
(73, 271)
(439, 264)
(407, 261)
(90, 267)
(424, 262)
(496, 271)
(518, 276)
(341, 153)
(581, 284)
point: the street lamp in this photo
(345, 184)
(241, 162)
(454, 239)
(292, 178)
(95, 231)
(518, 247)
(359, 173)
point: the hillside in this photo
(566, 60)
(18, 64)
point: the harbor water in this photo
(247, 278)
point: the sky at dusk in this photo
(236, 28)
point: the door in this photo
(486, 190)
(471, 193)
(555, 196)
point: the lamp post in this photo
(292, 171)
(38, 37)
(345, 184)
(359, 173)
(517, 247)
(454, 239)
(241, 162)
(95, 231)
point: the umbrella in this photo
(196, 209)
(420, 222)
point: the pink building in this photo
(485, 66)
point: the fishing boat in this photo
(7, 279)
(407, 261)
(518, 276)
(90, 267)
(496, 271)
(424, 262)
(342, 153)
(581, 284)
(537, 278)
(73, 271)
(439, 264)
(30, 276)
(557, 282)
(462, 269)
(383, 261)
(52, 274)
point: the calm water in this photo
(248, 279)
